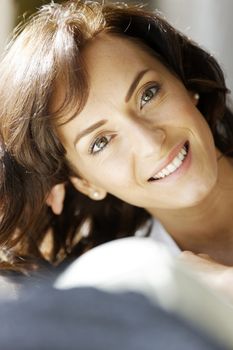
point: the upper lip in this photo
(163, 163)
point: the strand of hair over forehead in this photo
(66, 14)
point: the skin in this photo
(141, 138)
(210, 272)
(194, 206)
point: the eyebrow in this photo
(89, 130)
(135, 83)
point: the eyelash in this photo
(155, 88)
(96, 140)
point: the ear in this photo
(56, 198)
(83, 186)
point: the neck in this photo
(209, 224)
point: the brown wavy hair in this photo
(33, 159)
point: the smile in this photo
(175, 164)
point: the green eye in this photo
(99, 144)
(148, 95)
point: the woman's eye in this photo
(99, 144)
(148, 95)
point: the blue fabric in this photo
(89, 319)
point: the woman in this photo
(111, 106)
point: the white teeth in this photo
(183, 151)
(180, 156)
(161, 174)
(165, 172)
(177, 162)
(171, 167)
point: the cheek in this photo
(203, 135)
(114, 175)
(176, 111)
(187, 116)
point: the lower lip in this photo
(179, 171)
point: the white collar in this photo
(159, 234)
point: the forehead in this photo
(109, 55)
(112, 62)
(109, 61)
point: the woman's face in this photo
(140, 136)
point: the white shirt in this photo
(159, 234)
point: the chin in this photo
(198, 193)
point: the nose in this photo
(145, 139)
(145, 142)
